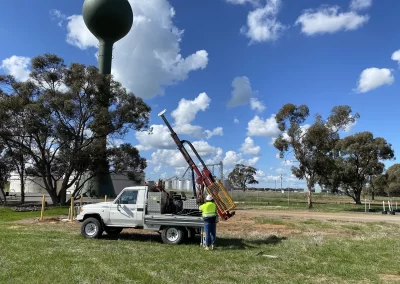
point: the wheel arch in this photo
(94, 215)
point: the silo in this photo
(181, 185)
(168, 184)
(188, 186)
(174, 184)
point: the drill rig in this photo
(204, 179)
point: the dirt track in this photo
(354, 217)
(244, 224)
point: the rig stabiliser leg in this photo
(202, 237)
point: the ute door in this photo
(124, 209)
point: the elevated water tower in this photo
(109, 21)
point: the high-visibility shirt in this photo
(209, 209)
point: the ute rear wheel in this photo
(91, 228)
(173, 235)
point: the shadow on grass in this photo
(238, 244)
(131, 236)
(222, 242)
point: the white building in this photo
(36, 185)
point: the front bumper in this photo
(80, 217)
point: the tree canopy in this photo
(361, 155)
(56, 116)
(393, 179)
(311, 145)
(242, 175)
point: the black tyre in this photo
(91, 228)
(173, 235)
(113, 231)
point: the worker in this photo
(209, 214)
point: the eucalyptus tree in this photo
(56, 118)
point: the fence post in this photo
(42, 211)
(72, 209)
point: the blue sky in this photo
(227, 60)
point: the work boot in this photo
(212, 247)
(206, 248)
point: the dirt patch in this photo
(243, 223)
(389, 277)
(351, 217)
(14, 227)
(55, 222)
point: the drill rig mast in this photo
(204, 179)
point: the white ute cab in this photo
(175, 216)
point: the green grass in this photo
(7, 214)
(321, 251)
(273, 221)
(322, 202)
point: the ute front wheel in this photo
(91, 228)
(173, 235)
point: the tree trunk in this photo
(22, 191)
(309, 201)
(373, 195)
(54, 197)
(357, 196)
(3, 196)
(62, 196)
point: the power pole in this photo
(281, 184)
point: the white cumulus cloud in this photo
(186, 112)
(249, 148)
(149, 58)
(187, 109)
(183, 115)
(242, 2)
(160, 138)
(17, 66)
(372, 78)
(360, 4)
(349, 127)
(257, 105)
(78, 34)
(232, 158)
(216, 131)
(329, 20)
(261, 176)
(396, 56)
(56, 15)
(259, 127)
(288, 163)
(236, 120)
(262, 23)
(173, 158)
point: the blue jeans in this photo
(211, 233)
